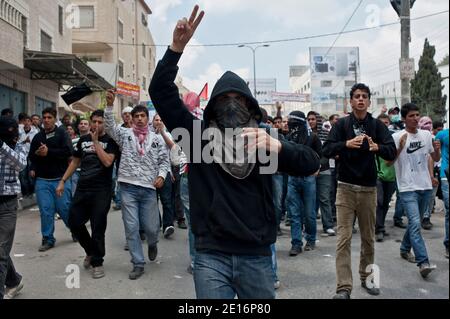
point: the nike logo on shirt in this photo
(411, 150)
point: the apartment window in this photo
(150, 53)
(144, 19)
(61, 20)
(121, 69)
(144, 82)
(91, 58)
(381, 101)
(143, 50)
(326, 84)
(46, 42)
(25, 31)
(86, 17)
(120, 29)
(349, 83)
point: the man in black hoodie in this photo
(231, 206)
(357, 139)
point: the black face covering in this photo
(230, 113)
(9, 131)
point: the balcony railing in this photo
(10, 14)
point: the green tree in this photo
(426, 88)
(444, 61)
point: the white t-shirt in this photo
(411, 167)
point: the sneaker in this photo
(182, 224)
(87, 262)
(295, 250)
(399, 224)
(426, 269)
(169, 232)
(318, 216)
(354, 231)
(277, 285)
(136, 273)
(98, 272)
(287, 223)
(310, 246)
(142, 235)
(408, 256)
(45, 246)
(371, 291)
(11, 293)
(126, 247)
(330, 232)
(426, 224)
(379, 237)
(74, 238)
(152, 252)
(117, 207)
(342, 294)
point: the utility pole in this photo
(405, 62)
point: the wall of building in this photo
(137, 68)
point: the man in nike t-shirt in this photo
(414, 172)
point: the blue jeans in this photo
(168, 205)
(444, 186)
(277, 187)
(399, 211)
(116, 188)
(184, 193)
(274, 262)
(50, 204)
(427, 212)
(414, 203)
(74, 181)
(222, 276)
(301, 203)
(324, 181)
(139, 211)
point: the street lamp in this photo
(254, 62)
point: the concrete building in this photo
(36, 26)
(114, 35)
(387, 94)
(36, 63)
(328, 79)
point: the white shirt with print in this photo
(411, 166)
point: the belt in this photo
(358, 188)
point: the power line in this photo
(269, 41)
(343, 29)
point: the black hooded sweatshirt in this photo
(229, 215)
(357, 166)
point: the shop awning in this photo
(65, 69)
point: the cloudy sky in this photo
(245, 21)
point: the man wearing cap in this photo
(231, 203)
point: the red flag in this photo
(204, 93)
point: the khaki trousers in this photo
(361, 202)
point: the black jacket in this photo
(357, 166)
(54, 165)
(228, 215)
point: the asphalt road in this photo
(310, 275)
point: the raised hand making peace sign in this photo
(185, 29)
